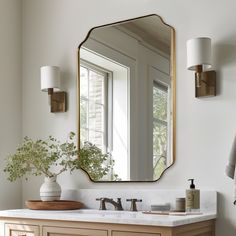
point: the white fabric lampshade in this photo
(199, 53)
(50, 78)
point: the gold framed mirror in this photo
(127, 98)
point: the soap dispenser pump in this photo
(192, 185)
(192, 198)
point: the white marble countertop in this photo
(117, 217)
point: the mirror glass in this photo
(127, 98)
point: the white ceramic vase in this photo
(50, 190)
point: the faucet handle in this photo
(119, 206)
(133, 201)
(102, 203)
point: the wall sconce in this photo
(50, 82)
(199, 59)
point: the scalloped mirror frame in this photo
(173, 105)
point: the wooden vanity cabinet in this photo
(123, 233)
(65, 231)
(21, 230)
(20, 227)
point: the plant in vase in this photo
(50, 158)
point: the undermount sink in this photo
(85, 212)
(89, 213)
(106, 212)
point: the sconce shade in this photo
(50, 78)
(199, 53)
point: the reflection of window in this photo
(93, 105)
(160, 128)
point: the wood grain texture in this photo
(53, 205)
(21, 230)
(59, 231)
(66, 228)
(206, 228)
(123, 233)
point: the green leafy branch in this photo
(38, 157)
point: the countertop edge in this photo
(171, 221)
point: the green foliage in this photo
(160, 135)
(93, 161)
(159, 167)
(38, 157)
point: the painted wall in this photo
(52, 31)
(10, 95)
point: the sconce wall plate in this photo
(208, 84)
(58, 102)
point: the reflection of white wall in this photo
(120, 117)
(120, 81)
(120, 125)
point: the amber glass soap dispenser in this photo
(192, 198)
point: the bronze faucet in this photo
(133, 201)
(117, 205)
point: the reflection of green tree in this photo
(83, 121)
(159, 104)
(159, 130)
(83, 112)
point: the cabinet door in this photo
(63, 231)
(124, 233)
(21, 230)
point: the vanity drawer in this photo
(124, 233)
(66, 231)
(21, 230)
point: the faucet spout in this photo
(117, 205)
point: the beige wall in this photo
(10, 95)
(52, 31)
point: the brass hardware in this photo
(50, 91)
(58, 102)
(173, 92)
(199, 70)
(205, 84)
(133, 206)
